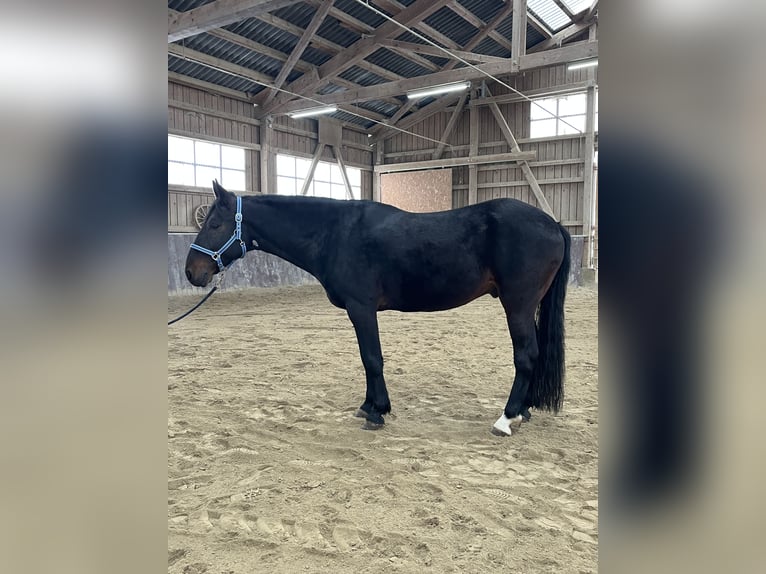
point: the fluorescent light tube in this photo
(313, 112)
(582, 64)
(436, 90)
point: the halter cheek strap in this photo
(236, 236)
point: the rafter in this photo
(450, 126)
(484, 32)
(405, 107)
(569, 53)
(430, 50)
(211, 61)
(560, 37)
(308, 33)
(395, 7)
(416, 117)
(362, 28)
(417, 11)
(216, 14)
(478, 23)
(519, 32)
(564, 8)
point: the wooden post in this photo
(312, 168)
(518, 33)
(457, 112)
(524, 165)
(587, 207)
(473, 170)
(343, 174)
(266, 133)
(377, 160)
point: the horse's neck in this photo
(291, 228)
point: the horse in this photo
(372, 257)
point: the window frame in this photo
(329, 181)
(220, 167)
(557, 117)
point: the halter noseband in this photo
(236, 236)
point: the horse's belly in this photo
(423, 294)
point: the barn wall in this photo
(195, 113)
(560, 160)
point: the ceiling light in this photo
(435, 90)
(582, 64)
(313, 112)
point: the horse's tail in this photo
(547, 388)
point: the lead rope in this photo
(205, 298)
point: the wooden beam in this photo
(394, 7)
(312, 168)
(343, 174)
(518, 33)
(569, 53)
(526, 170)
(425, 112)
(478, 23)
(560, 90)
(207, 86)
(450, 126)
(590, 113)
(408, 47)
(217, 63)
(311, 29)
(473, 153)
(481, 34)
(564, 8)
(538, 25)
(266, 137)
(590, 12)
(560, 37)
(362, 28)
(456, 161)
(416, 11)
(217, 14)
(405, 107)
(377, 160)
(374, 117)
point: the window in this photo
(560, 116)
(327, 180)
(198, 163)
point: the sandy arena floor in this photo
(268, 470)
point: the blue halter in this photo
(237, 236)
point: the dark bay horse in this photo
(370, 257)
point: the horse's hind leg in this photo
(521, 324)
(376, 402)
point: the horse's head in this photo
(217, 238)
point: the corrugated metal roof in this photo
(484, 9)
(548, 12)
(451, 25)
(576, 6)
(353, 8)
(395, 63)
(211, 75)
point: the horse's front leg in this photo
(376, 404)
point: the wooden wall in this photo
(195, 113)
(560, 160)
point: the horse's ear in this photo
(225, 197)
(218, 189)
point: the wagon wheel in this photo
(200, 214)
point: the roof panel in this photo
(397, 64)
(576, 6)
(548, 12)
(214, 76)
(484, 9)
(451, 25)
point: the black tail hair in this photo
(547, 389)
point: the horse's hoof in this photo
(525, 415)
(369, 425)
(360, 414)
(502, 426)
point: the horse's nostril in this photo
(188, 275)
